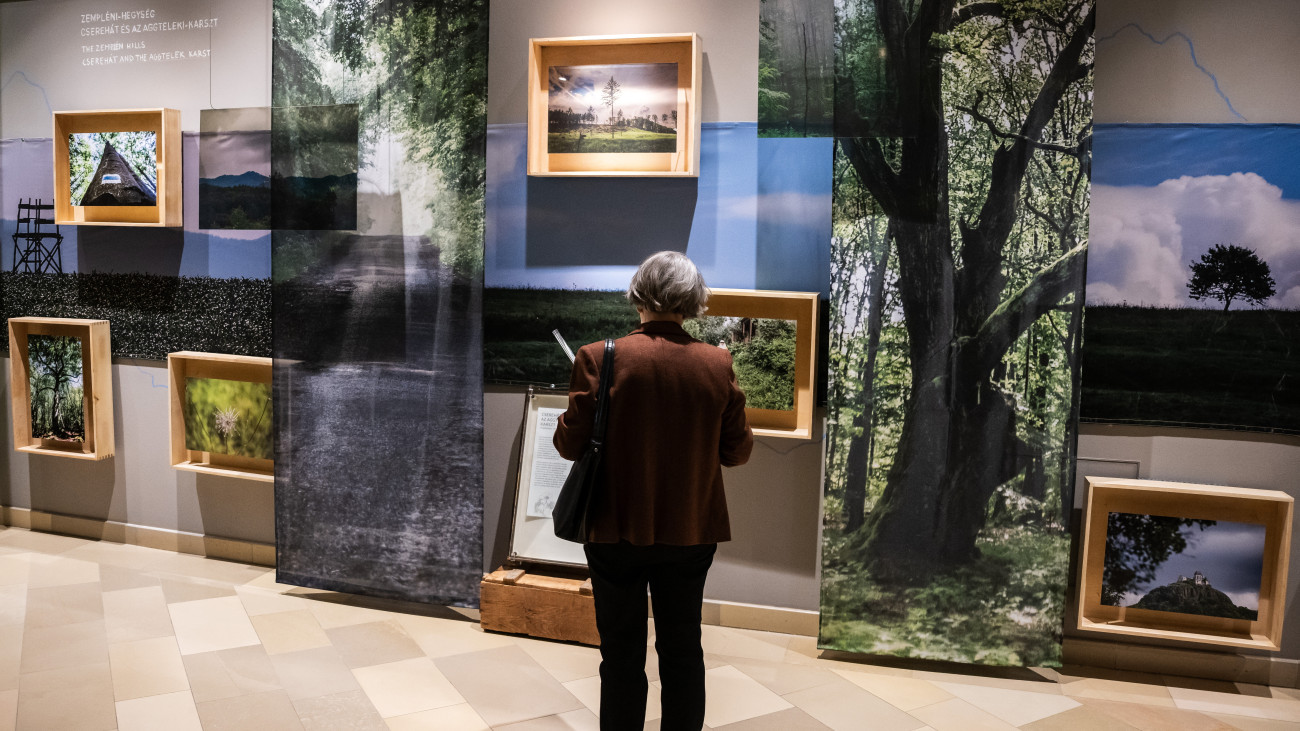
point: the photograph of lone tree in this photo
(1193, 304)
(113, 168)
(58, 410)
(626, 107)
(228, 417)
(955, 296)
(1166, 564)
(762, 354)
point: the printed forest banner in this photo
(377, 161)
(960, 230)
(1194, 277)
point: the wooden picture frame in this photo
(532, 537)
(165, 123)
(801, 307)
(681, 48)
(185, 365)
(1269, 508)
(97, 386)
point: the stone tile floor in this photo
(98, 635)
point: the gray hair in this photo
(668, 282)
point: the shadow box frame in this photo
(97, 380)
(801, 307)
(188, 364)
(684, 49)
(532, 538)
(165, 123)
(1270, 508)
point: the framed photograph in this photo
(118, 167)
(772, 337)
(1199, 563)
(61, 383)
(614, 106)
(540, 476)
(221, 418)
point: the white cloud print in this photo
(1143, 239)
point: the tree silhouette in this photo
(1136, 546)
(1226, 273)
(610, 94)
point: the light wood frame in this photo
(681, 48)
(165, 123)
(187, 364)
(1269, 508)
(801, 307)
(96, 385)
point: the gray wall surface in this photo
(138, 485)
(728, 31)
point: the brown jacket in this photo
(676, 418)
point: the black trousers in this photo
(620, 575)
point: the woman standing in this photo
(676, 417)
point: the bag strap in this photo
(602, 399)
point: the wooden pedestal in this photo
(516, 601)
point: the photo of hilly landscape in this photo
(235, 168)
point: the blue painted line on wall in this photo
(35, 85)
(1191, 47)
(153, 383)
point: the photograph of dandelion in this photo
(228, 417)
(762, 354)
(58, 410)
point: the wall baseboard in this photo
(229, 549)
(756, 616)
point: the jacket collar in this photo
(661, 327)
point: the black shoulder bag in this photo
(587, 474)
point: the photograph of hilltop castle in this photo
(1205, 567)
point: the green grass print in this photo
(228, 417)
(762, 353)
(626, 140)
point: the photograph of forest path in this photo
(1167, 564)
(228, 417)
(113, 168)
(58, 406)
(956, 288)
(762, 354)
(1193, 306)
(625, 107)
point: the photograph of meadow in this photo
(1206, 567)
(762, 353)
(113, 168)
(228, 417)
(625, 107)
(58, 409)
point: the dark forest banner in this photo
(378, 382)
(960, 217)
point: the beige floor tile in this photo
(113, 578)
(178, 589)
(1083, 718)
(199, 567)
(289, 631)
(60, 571)
(734, 696)
(1156, 718)
(991, 681)
(67, 645)
(38, 542)
(13, 604)
(956, 714)
(506, 686)
(744, 643)
(313, 673)
(564, 661)
(118, 555)
(167, 712)
(332, 610)
(211, 624)
(460, 716)
(351, 711)
(903, 693)
(1275, 709)
(407, 686)
(587, 690)
(445, 637)
(265, 601)
(147, 667)
(1245, 723)
(11, 655)
(373, 643)
(136, 614)
(78, 698)
(1116, 690)
(228, 673)
(1016, 707)
(780, 677)
(791, 719)
(48, 606)
(14, 568)
(579, 720)
(843, 706)
(8, 709)
(271, 711)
